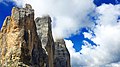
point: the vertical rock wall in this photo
(62, 56)
(25, 42)
(44, 31)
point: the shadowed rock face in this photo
(45, 34)
(28, 43)
(61, 56)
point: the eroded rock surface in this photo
(20, 44)
(62, 56)
(45, 34)
(25, 42)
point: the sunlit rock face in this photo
(43, 25)
(20, 44)
(25, 42)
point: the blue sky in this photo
(5, 10)
(77, 39)
(82, 38)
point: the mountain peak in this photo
(25, 42)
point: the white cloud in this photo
(113, 65)
(87, 35)
(69, 15)
(75, 56)
(107, 51)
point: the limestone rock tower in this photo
(25, 42)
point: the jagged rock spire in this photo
(19, 42)
(25, 42)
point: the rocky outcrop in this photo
(45, 34)
(20, 44)
(62, 56)
(25, 42)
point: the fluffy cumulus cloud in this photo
(106, 52)
(68, 16)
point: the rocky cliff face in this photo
(61, 56)
(25, 42)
